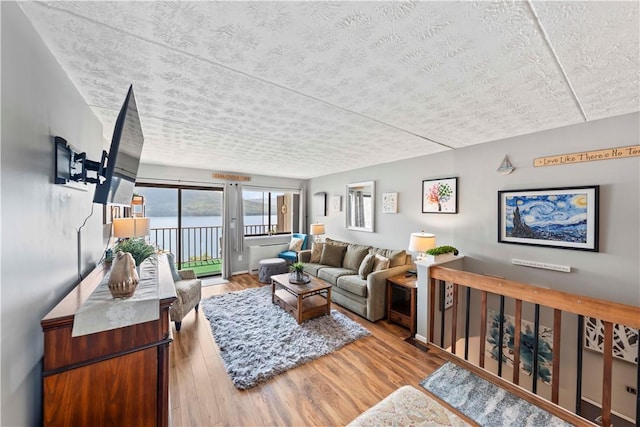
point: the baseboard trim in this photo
(235, 273)
(615, 413)
(420, 338)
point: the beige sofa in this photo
(357, 286)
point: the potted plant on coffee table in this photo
(297, 270)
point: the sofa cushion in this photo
(335, 242)
(288, 255)
(313, 268)
(316, 252)
(396, 257)
(354, 284)
(296, 244)
(380, 262)
(332, 255)
(331, 274)
(354, 255)
(352, 302)
(366, 266)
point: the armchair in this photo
(291, 255)
(188, 291)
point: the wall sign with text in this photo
(230, 177)
(589, 156)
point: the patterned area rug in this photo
(408, 407)
(258, 339)
(483, 401)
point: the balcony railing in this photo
(463, 332)
(199, 245)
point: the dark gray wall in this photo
(612, 274)
(39, 219)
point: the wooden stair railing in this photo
(609, 313)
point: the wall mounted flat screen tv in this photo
(123, 158)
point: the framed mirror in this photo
(360, 206)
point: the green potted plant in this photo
(441, 253)
(138, 248)
(298, 269)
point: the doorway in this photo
(186, 221)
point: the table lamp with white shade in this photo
(317, 230)
(124, 228)
(421, 242)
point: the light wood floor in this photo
(329, 391)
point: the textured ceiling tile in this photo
(237, 85)
(597, 43)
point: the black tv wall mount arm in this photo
(74, 166)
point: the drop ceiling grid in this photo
(598, 44)
(360, 64)
(458, 73)
(274, 122)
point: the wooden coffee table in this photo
(303, 302)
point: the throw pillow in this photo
(380, 262)
(316, 252)
(172, 266)
(396, 257)
(296, 244)
(330, 241)
(332, 255)
(354, 255)
(366, 266)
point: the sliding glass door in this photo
(201, 230)
(186, 221)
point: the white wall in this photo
(612, 273)
(39, 219)
(156, 174)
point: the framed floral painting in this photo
(440, 195)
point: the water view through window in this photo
(194, 234)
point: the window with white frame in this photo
(269, 212)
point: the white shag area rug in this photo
(259, 340)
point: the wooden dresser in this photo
(116, 377)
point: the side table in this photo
(401, 301)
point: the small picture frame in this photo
(390, 203)
(440, 195)
(336, 204)
(109, 212)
